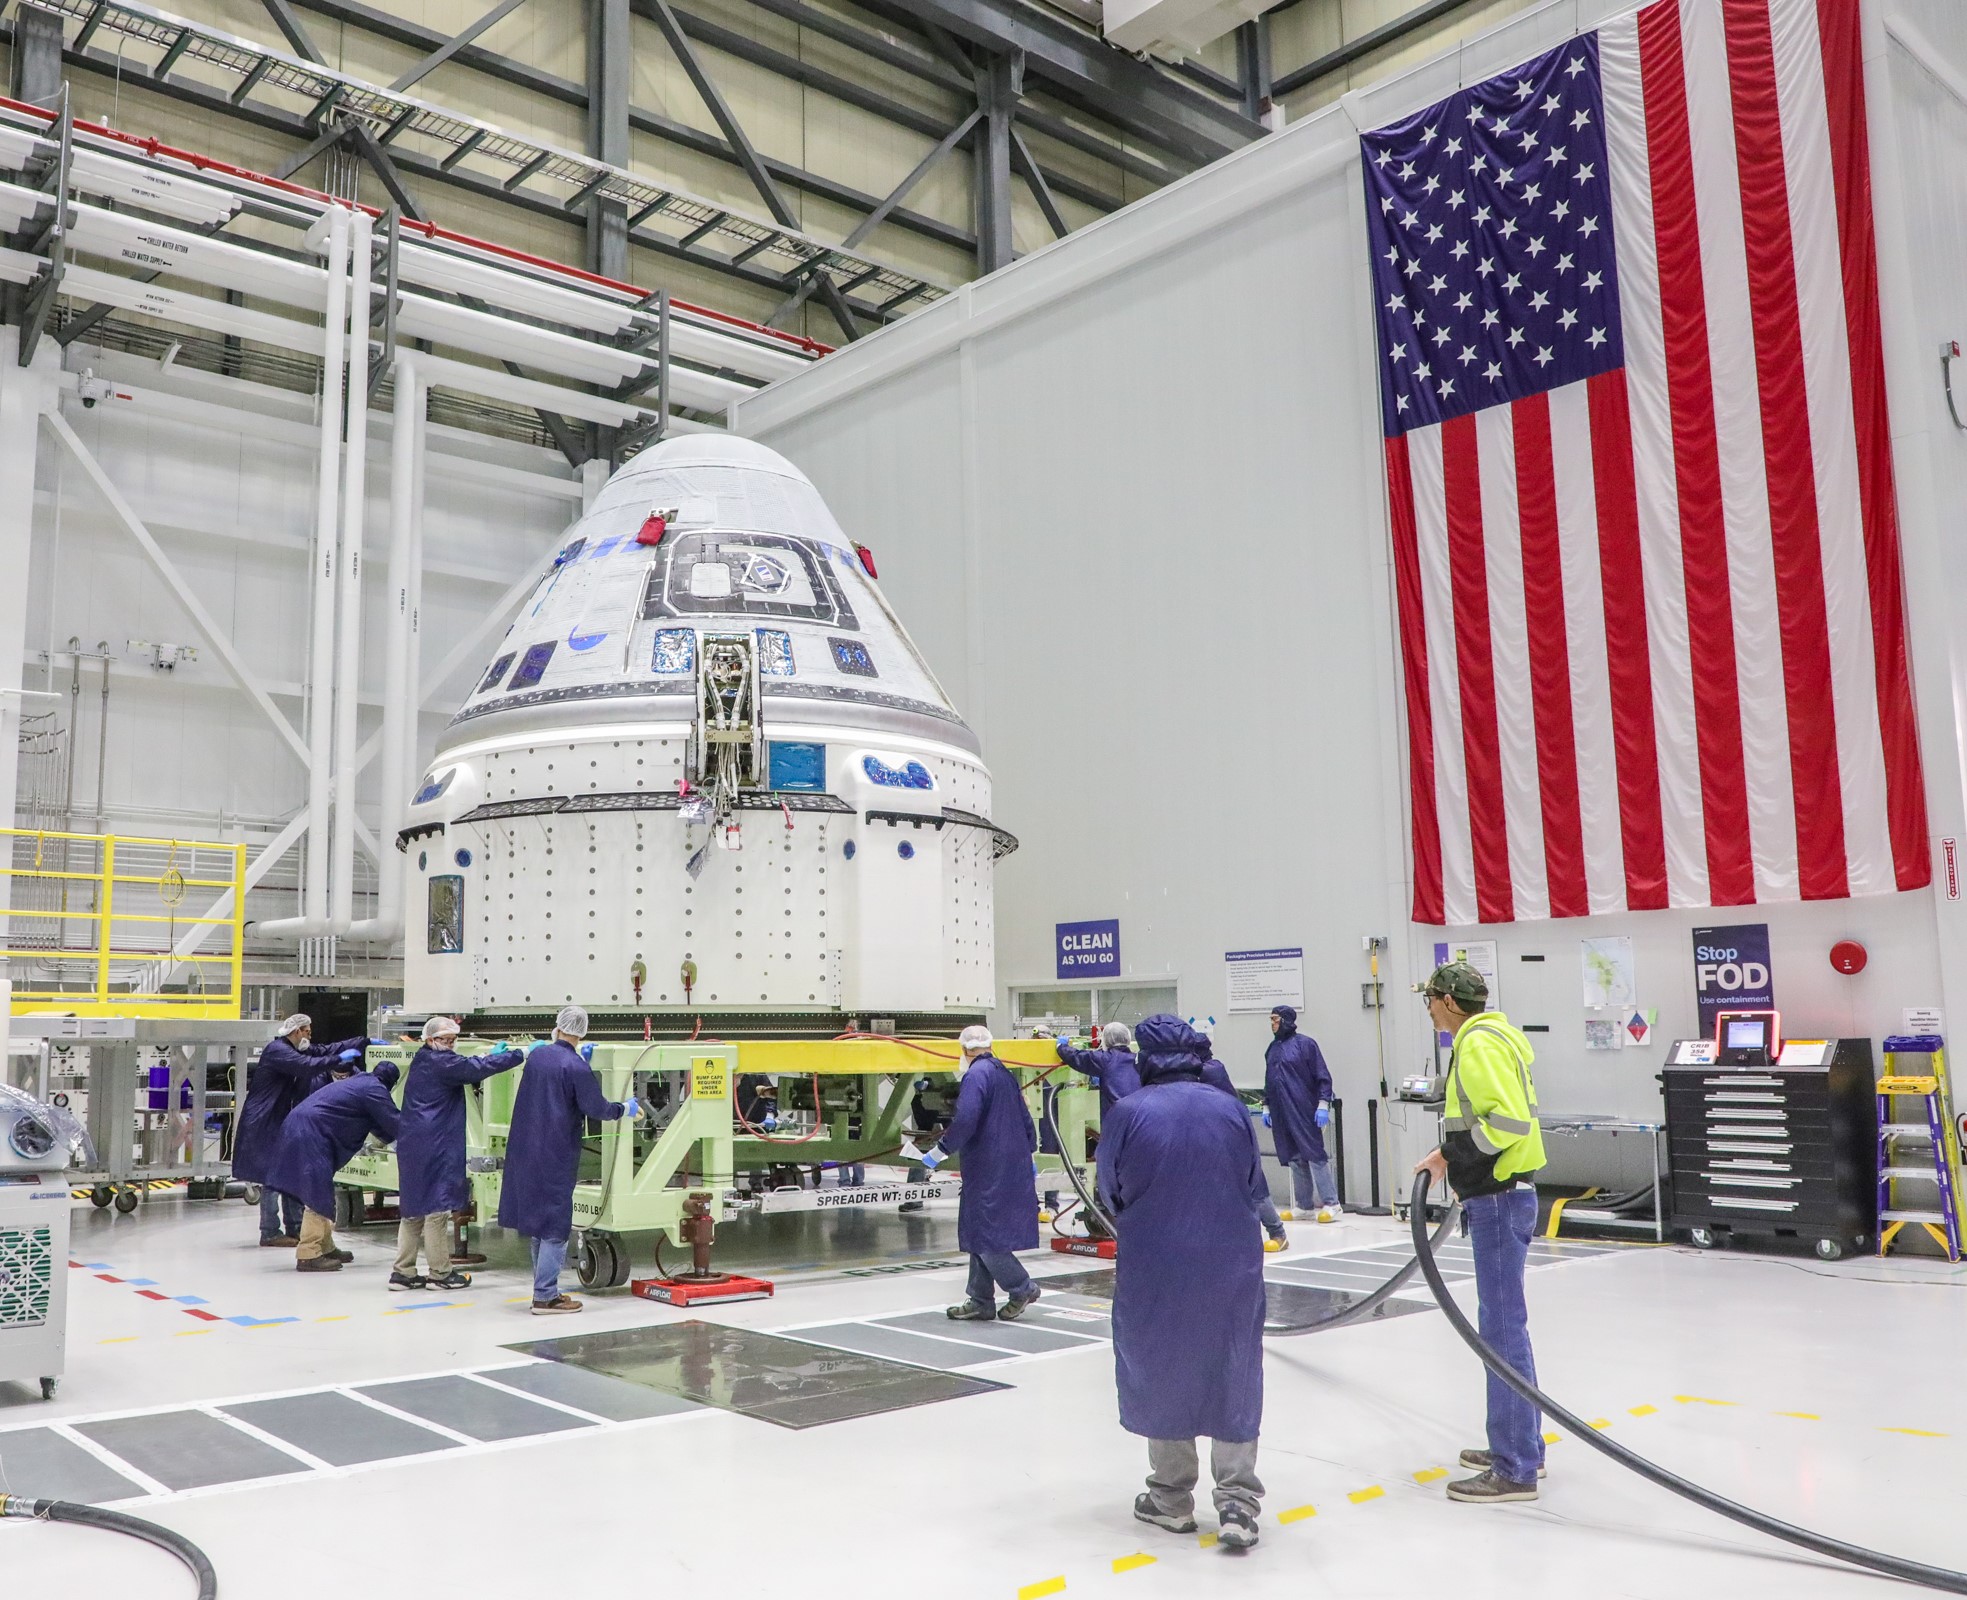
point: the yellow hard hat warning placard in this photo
(710, 1078)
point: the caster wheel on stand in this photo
(251, 1194)
(126, 1200)
(101, 1195)
(50, 1387)
(1701, 1238)
(1830, 1250)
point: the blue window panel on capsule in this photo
(774, 653)
(497, 671)
(434, 787)
(850, 655)
(903, 775)
(797, 767)
(675, 650)
(532, 666)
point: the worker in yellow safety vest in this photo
(1491, 1148)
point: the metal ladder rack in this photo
(1933, 1158)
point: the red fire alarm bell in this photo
(1848, 956)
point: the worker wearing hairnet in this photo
(289, 1068)
(325, 1130)
(996, 1216)
(430, 1153)
(558, 1092)
(1216, 1076)
(1298, 1101)
(1181, 1177)
(1112, 1065)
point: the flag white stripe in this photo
(1584, 626)
(1739, 446)
(1443, 676)
(1657, 493)
(1509, 646)
(1833, 437)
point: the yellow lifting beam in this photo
(869, 1055)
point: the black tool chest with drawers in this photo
(1788, 1150)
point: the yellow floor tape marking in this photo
(1360, 1496)
(128, 1338)
(1642, 1411)
(192, 1333)
(1133, 1563)
(1553, 1438)
(1296, 1514)
(1034, 1591)
(1917, 1433)
(1206, 1540)
(1699, 1400)
(342, 1318)
(1601, 1422)
(1801, 1416)
(1432, 1475)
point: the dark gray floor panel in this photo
(593, 1392)
(872, 1339)
(338, 1430)
(42, 1465)
(1019, 1337)
(188, 1449)
(473, 1409)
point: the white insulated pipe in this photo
(399, 716)
(313, 918)
(354, 506)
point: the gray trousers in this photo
(1173, 1469)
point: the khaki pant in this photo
(1174, 1467)
(434, 1232)
(317, 1235)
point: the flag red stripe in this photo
(1488, 824)
(1850, 154)
(1628, 656)
(1413, 654)
(1802, 613)
(1697, 467)
(1550, 658)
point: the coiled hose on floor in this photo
(1355, 1311)
(13, 1505)
(1836, 1549)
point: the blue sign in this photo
(1088, 949)
(1731, 971)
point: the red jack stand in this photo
(700, 1284)
(1105, 1249)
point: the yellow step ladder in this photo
(1924, 1152)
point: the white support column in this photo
(354, 508)
(26, 395)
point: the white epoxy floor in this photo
(1783, 1382)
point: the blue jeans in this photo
(1267, 1215)
(1313, 1184)
(280, 1214)
(1499, 1231)
(549, 1256)
(1003, 1269)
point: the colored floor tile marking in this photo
(1360, 1496)
(1553, 1438)
(1133, 1563)
(1036, 1591)
(1296, 1514)
(1206, 1540)
(192, 1333)
(1431, 1475)
(128, 1338)
(141, 1283)
(256, 1322)
(202, 1316)
(1917, 1433)
(152, 1294)
(1699, 1400)
(1601, 1423)
(1801, 1416)
(426, 1305)
(1642, 1411)
(190, 1300)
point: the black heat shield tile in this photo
(786, 1382)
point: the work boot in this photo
(1275, 1243)
(560, 1305)
(1239, 1529)
(343, 1256)
(1144, 1511)
(319, 1264)
(1488, 1489)
(407, 1280)
(282, 1242)
(1483, 1461)
(450, 1280)
(1014, 1307)
(970, 1311)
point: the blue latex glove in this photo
(1266, 1116)
(587, 1054)
(933, 1157)
(351, 1055)
(631, 1108)
(1323, 1116)
(1093, 1080)
(769, 1122)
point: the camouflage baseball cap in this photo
(1459, 982)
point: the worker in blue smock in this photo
(1216, 1076)
(996, 1215)
(430, 1153)
(325, 1130)
(1181, 1177)
(1298, 1108)
(1112, 1065)
(558, 1093)
(290, 1068)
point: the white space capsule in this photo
(706, 772)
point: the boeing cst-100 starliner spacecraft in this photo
(706, 773)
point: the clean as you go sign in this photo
(1088, 949)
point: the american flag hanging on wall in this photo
(1638, 468)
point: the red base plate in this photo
(672, 1293)
(1103, 1248)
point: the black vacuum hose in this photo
(1836, 1549)
(118, 1522)
(1355, 1312)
